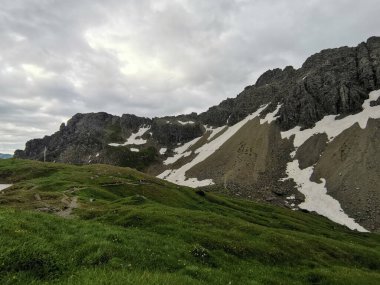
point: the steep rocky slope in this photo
(276, 141)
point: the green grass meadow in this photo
(130, 228)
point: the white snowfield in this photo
(178, 175)
(316, 197)
(181, 151)
(186, 123)
(134, 139)
(214, 131)
(4, 186)
(333, 127)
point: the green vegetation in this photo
(130, 228)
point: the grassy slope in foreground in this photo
(130, 228)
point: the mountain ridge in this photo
(5, 155)
(348, 91)
(219, 148)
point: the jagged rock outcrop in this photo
(86, 139)
(333, 81)
(169, 134)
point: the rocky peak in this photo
(274, 75)
(333, 81)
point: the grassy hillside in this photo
(99, 224)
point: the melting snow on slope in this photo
(4, 186)
(178, 175)
(181, 151)
(134, 138)
(270, 117)
(214, 131)
(333, 127)
(291, 197)
(316, 197)
(186, 123)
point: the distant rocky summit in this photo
(304, 138)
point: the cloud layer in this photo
(153, 57)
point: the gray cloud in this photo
(153, 57)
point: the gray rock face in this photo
(169, 134)
(83, 134)
(375, 103)
(131, 123)
(333, 81)
(86, 139)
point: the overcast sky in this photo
(153, 57)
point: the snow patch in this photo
(228, 119)
(163, 150)
(186, 123)
(135, 138)
(181, 151)
(316, 197)
(134, 149)
(4, 186)
(291, 197)
(333, 127)
(270, 117)
(97, 155)
(214, 131)
(178, 175)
